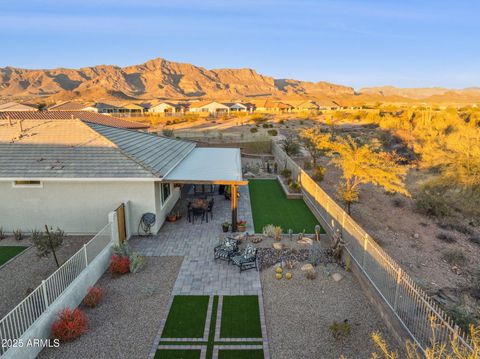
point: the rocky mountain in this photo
(428, 93)
(157, 78)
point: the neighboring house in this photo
(307, 106)
(72, 106)
(66, 115)
(239, 106)
(72, 173)
(168, 107)
(118, 107)
(209, 107)
(15, 106)
(328, 105)
(273, 106)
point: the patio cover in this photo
(209, 166)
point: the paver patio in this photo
(200, 274)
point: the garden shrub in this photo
(254, 130)
(294, 186)
(18, 235)
(340, 330)
(286, 173)
(93, 297)
(119, 265)
(137, 262)
(307, 165)
(319, 173)
(2, 234)
(69, 325)
(272, 132)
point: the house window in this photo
(165, 191)
(28, 184)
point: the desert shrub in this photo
(318, 173)
(272, 132)
(432, 204)
(258, 118)
(455, 226)
(253, 130)
(167, 132)
(273, 231)
(137, 262)
(446, 237)
(286, 173)
(119, 265)
(294, 186)
(2, 234)
(315, 254)
(18, 235)
(398, 202)
(265, 125)
(475, 288)
(454, 256)
(69, 325)
(340, 330)
(311, 274)
(93, 297)
(307, 165)
(48, 242)
(282, 121)
(462, 317)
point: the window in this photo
(27, 184)
(165, 191)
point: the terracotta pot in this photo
(172, 218)
(241, 228)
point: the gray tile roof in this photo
(159, 154)
(75, 149)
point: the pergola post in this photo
(234, 207)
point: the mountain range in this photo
(164, 79)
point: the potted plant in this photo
(225, 226)
(241, 226)
(172, 217)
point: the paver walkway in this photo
(200, 273)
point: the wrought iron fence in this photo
(410, 304)
(20, 318)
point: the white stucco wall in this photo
(78, 207)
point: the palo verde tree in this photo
(311, 147)
(48, 242)
(360, 164)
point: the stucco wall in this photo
(78, 207)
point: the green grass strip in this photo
(240, 317)
(211, 332)
(8, 252)
(177, 354)
(271, 206)
(240, 354)
(187, 317)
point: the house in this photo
(168, 107)
(72, 106)
(120, 107)
(273, 106)
(15, 106)
(71, 173)
(211, 107)
(239, 106)
(68, 115)
(306, 106)
(328, 105)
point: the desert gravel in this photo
(27, 270)
(127, 320)
(299, 312)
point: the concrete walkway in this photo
(199, 273)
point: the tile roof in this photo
(68, 106)
(76, 149)
(15, 106)
(64, 115)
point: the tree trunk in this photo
(349, 208)
(51, 247)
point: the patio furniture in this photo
(246, 260)
(198, 212)
(210, 209)
(227, 249)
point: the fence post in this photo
(365, 244)
(45, 296)
(397, 288)
(86, 256)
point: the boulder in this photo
(337, 277)
(278, 246)
(307, 267)
(305, 241)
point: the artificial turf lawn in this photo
(177, 354)
(187, 317)
(8, 252)
(240, 354)
(240, 317)
(271, 206)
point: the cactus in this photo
(317, 232)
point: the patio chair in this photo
(246, 260)
(225, 250)
(210, 209)
(197, 212)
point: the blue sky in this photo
(358, 43)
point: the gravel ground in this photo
(127, 320)
(299, 312)
(28, 270)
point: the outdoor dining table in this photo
(198, 204)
